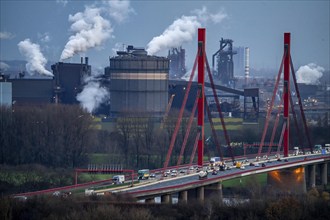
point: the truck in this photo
(296, 151)
(143, 174)
(317, 148)
(214, 161)
(119, 179)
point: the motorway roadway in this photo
(193, 179)
(186, 180)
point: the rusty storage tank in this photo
(138, 83)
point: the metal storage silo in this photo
(138, 83)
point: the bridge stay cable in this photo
(214, 133)
(194, 149)
(191, 118)
(300, 138)
(281, 139)
(178, 123)
(275, 128)
(301, 105)
(219, 110)
(269, 111)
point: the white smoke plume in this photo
(90, 30)
(118, 47)
(204, 15)
(6, 35)
(44, 38)
(4, 66)
(93, 94)
(35, 59)
(119, 10)
(310, 74)
(63, 2)
(183, 30)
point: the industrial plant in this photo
(138, 83)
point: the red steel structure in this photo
(201, 77)
(287, 66)
(286, 93)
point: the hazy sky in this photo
(256, 24)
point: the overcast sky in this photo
(71, 29)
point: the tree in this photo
(52, 135)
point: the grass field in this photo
(244, 181)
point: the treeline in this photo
(64, 135)
(314, 205)
(51, 135)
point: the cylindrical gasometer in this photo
(138, 83)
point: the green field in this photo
(245, 181)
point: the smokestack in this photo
(247, 65)
(81, 60)
(86, 60)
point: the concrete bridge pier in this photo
(183, 196)
(324, 174)
(150, 200)
(200, 193)
(196, 193)
(166, 199)
(214, 191)
(312, 175)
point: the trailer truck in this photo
(119, 179)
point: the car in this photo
(214, 172)
(286, 160)
(56, 193)
(251, 164)
(165, 174)
(174, 174)
(152, 175)
(279, 159)
(256, 165)
(191, 168)
(174, 171)
(263, 164)
(182, 171)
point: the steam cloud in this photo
(35, 60)
(4, 66)
(183, 30)
(119, 10)
(91, 30)
(310, 74)
(6, 35)
(92, 95)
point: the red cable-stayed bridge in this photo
(165, 187)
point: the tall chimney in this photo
(86, 60)
(247, 65)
